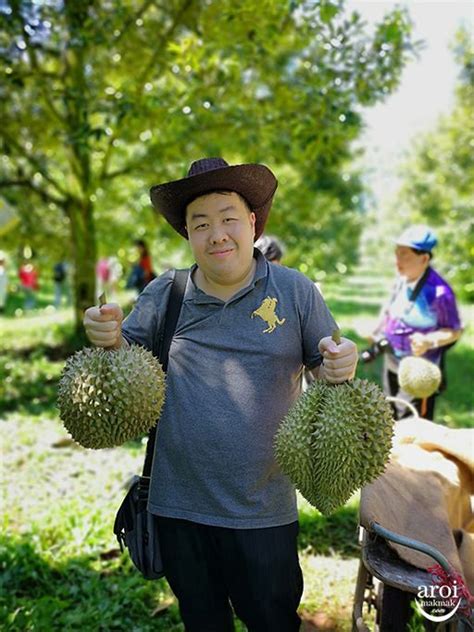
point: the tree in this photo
(439, 177)
(103, 99)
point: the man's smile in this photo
(223, 252)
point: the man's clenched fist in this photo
(103, 325)
(340, 360)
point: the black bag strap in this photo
(414, 295)
(171, 318)
(419, 285)
(166, 335)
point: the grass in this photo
(60, 565)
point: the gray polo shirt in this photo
(234, 370)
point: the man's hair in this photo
(417, 251)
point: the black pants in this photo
(255, 570)
(392, 387)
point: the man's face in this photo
(410, 264)
(221, 233)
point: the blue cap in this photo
(420, 237)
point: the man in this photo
(421, 317)
(226, 514)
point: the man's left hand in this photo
(420, 344)
(340, 361)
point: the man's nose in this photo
(218, 234)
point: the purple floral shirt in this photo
(434, 308)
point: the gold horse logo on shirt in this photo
(266, 311)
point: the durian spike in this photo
(102, 299)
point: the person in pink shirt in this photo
(28, 276)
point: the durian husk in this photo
(334, 440)
(106, 398)
(419, 377)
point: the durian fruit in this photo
(334, 440)
(418, 377)
(108, 397)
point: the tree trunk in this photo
(84, 256)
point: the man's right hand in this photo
(103, 325)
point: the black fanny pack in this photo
(136, 529)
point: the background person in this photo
(102, 274)
(3, 281)
(28, 276)
(421, 317)
(115, 274)
(226, 514)
(108, 273)
(60, 274)
(270, 247)
(142, 272)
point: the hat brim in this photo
(402, 242)
(255, 182)
(409, 244)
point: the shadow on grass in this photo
(71, 341)
(37, 595)
(28, 384)
(15, 301)
(29, 376)
(342, 307)
(323, 535)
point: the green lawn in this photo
(61, 569)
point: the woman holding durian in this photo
(420, 319)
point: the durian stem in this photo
(424, 406)
(336, 336)
(102, 299)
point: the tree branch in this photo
(36, 68)
(151, 64)
(131, 21)
(133, 164)
(163, 40)
(33, 161)
(105, 163)
(44, 195)
(121, 172)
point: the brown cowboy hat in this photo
(256, 183)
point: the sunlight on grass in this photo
(329, 590)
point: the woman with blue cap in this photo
(421, 317)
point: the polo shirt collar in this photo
(197, 296)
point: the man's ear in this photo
(253, 220)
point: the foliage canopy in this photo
(438, 182)
(100, 100)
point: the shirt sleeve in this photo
(317, 322)
(143, 324)
(446, 309)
